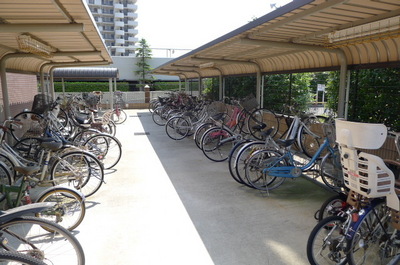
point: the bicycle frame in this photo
(292, 171)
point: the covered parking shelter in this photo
(304, 35)
(38, 37)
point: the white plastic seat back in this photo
(360, 135)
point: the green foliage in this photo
(163, 86)
(88, 86)
(143, 53)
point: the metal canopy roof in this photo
(303, 35)
(39, 35)
(94, 73)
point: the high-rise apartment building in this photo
(116, 20)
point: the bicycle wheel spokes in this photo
(261, 120)
(255, 175)
(217, 144)
(327, 244)
(106, 148)
(69, 210)
(177, 128)
(31, 236)
(78, 170)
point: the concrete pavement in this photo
(166, 203)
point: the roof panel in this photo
(290, 38)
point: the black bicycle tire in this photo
(232, 159)
(273, 122)
(104, 153)
(19, 257)
(239, 173)
(170, 127)
(312, 237)
(326, 210)
(207, 151)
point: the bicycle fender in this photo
(55, 188)
(6, 216)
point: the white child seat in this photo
(365, 173)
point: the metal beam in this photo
(40, 27)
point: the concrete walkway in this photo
(166, 203)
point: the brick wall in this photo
(21, 90)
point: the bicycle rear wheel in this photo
(331, 171)
(327, 244)
(44, 240)
(255, 175)
(242, 157)
(310, 136)
(260, 121)
(198, 134)
(69, 210)
(119, 115)
(217, 144)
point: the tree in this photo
(143, 53)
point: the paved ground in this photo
(166, 203)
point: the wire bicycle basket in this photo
(41, 103)
(249, 103)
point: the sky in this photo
(188, 24)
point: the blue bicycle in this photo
(268, 169)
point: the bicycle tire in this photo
(81, 137)
(157, 116)
(217, 143)
(373, 237)
(5, 179)
(88, 168)
(69, 210)
(106, 148)
(33, 125)
(198, 134)
(332, 206)
(309, 144)
(233, 157)
(30, 235)
(331, 171)
(177, 128)
(14, 258)
(255, 165)
(119, 116)
(326, 244)
(241, 159)
(261, 120)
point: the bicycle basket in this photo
(41, 103)
(249, 103)
(215, 108)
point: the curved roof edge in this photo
(88, 72)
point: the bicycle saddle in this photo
(285, 143)
(28, 170)
(259, 127)
(51, 145)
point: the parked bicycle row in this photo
(363, 218)
(55, 156)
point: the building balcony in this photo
(132, 23)
(119, 15)
(119, 32)
(120, 41)
(118, 6)
(120, 50)
(132, 7)
(119, 23)
(132, 15)
(133, 39)
(133, 31)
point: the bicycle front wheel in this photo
(177, 128)
(327, 244)
(217, 144)
(106, 148)
(331, 171)
(79, 170)
(119, 116)
(69, 209)
(44, 240)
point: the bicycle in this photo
(267, 169)
(38, 238)
(119, 116)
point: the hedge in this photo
(89, 86)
